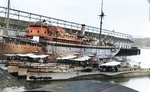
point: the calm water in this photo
(144, 58)
(141, 84)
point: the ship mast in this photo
(101, 22)
(7, 23)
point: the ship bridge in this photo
(21, 20)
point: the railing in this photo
(31, 17)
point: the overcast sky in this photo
(125, 16)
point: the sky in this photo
(125, 16)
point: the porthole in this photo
(45, 32)
(31, 31)
(38, 31)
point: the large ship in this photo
(54, 39)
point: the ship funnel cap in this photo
(83, 30)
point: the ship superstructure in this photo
(56, 40)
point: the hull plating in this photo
(100, 52)
(9, 48)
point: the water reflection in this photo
(87, 85)
(71, 86)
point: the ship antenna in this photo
(7, 24)
(101, 22)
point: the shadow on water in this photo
(116, 80)
(31, 85)
(122, 80)
(70, 86)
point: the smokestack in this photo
(83, 30)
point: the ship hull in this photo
(10, 48)
(101, 52)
